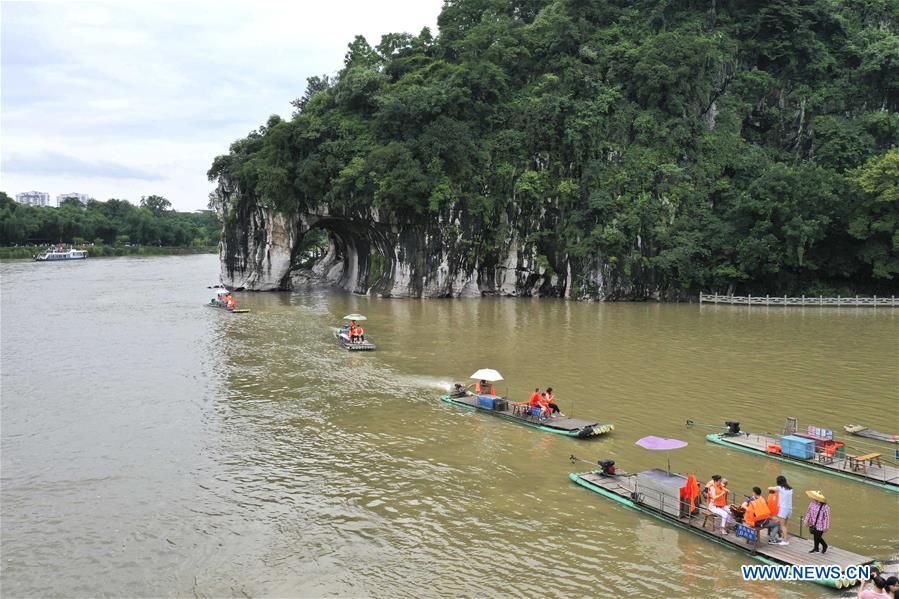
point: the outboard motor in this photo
(733, 427)
(607, 467)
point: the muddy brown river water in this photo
(152, 446)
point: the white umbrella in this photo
(487, 374)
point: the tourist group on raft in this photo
(355, 332)
(542, 403)
(771, 513)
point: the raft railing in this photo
(810, 300)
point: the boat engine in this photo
(607, 467)
(733, 427)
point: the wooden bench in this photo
(861, 462)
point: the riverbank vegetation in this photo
(113, 225)
(693, 145)
(104, 251)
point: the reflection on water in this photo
(151, 446)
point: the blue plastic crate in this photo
(486, 401)
(797, 447)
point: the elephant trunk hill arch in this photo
(376, 252)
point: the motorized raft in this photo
(223, 300)
(665, 495)
(350, 335)
(816, 449)
(484, 400)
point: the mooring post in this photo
(766, 299)
(875, 301)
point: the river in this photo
(152, 446)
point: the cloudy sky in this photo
(128, 99)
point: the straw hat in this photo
(817, 496)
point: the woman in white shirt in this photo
(784, 503)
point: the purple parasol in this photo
(662, 443)
(651, 442)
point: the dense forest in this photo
(711, 145)
(114, 221)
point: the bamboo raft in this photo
(622, 488)
(353, 345)
(227, 309)
(570, 427)
(867, 433)
(880, 475)
(774, 300)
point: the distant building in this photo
(34, 198)
(81, 197)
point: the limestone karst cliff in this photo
(602, 150)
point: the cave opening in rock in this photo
(341, 252)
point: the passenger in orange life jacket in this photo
(550, 402)
(716, 498)
(482, 387)
(759, 514)
(538, 401)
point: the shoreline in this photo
(109, 251)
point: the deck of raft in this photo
(884, 473)
(796, 553)
(561, 423)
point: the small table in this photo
(861, 462)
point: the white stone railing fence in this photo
(805, 300)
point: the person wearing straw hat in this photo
(817, 518)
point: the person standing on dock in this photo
(817, 518)
(784, 504)
(716, 495)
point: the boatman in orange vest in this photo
(716, 497)
(758, 514)
(482, 387)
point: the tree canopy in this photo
(698, 145)
(110, 222)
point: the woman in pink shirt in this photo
(817, 518)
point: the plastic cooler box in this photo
(488, 402)
(797, 447)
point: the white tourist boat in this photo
(53, 254)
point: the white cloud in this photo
(159, 89)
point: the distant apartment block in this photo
(81, 197)
(34, 198)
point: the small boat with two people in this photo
(677, 500)
(816, 449)
(351, 335)
(224, 300)
(60, 253)
(537, 413)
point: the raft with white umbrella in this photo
(485, 400)
(342, 333)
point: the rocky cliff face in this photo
(378, 253)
